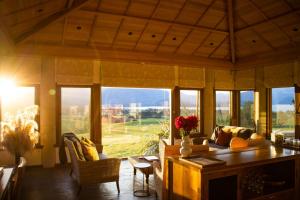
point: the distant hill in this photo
(157, 97)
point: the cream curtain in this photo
(279, 75)
(74, 71)
(245, 79)
(224, 79)
(116, 74)
(191, 77)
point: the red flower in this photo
(180, 122)
(187, 124)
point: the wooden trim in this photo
(231, 29)
(50, 20)
(297, 114)
(165, 22)
(123, 56)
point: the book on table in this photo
(151, 158)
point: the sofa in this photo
(222, 135)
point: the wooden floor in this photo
(56, 184)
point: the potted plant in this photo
(186, 125)
(20, 133)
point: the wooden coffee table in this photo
(140, 159)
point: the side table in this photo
(144, 192)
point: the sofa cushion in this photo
(89, 149)
(215, 133)
(77, 145)
(245, 133)
(224, 138)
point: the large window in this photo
(190, 103)
(246, 113)
(76, 111)
(283, 109)
(16, 100)
(132, 118)
(223, 107)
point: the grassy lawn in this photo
(130, 138)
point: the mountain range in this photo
(158, 97)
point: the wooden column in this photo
(47, 111)
(208, 103)
(96, 116)
(262, 122)
(175, 113)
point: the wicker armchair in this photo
(93, 172)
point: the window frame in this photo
(59, 105)
(270, 110)
(201, 99)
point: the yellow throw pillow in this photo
(89, 149)
(238, 142)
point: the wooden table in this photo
(4, 182)
(186, 180)
(140, 159)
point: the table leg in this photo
(134, 171)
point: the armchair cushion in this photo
(89, 150)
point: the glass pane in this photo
(11, 104)
(75, 111)
(247, 109)
(283, 109)
(190, 103)
(223, 108)
(132, 119)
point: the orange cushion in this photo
(89, 149)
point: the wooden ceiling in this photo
(215, 29)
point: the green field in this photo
(130, 138)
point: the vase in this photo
(185, 149)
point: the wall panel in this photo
(281, 75)
(191, 77)
(245, 79)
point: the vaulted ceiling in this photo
(215, 29)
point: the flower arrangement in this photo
(20, 132)
(186, 124)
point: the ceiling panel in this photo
(142, 8)
(192, 42)
(168, 10)
(214, 14)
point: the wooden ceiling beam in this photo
(270, 19)
(119, 55)
(50, 20)
(165, 22)
(231, 30)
